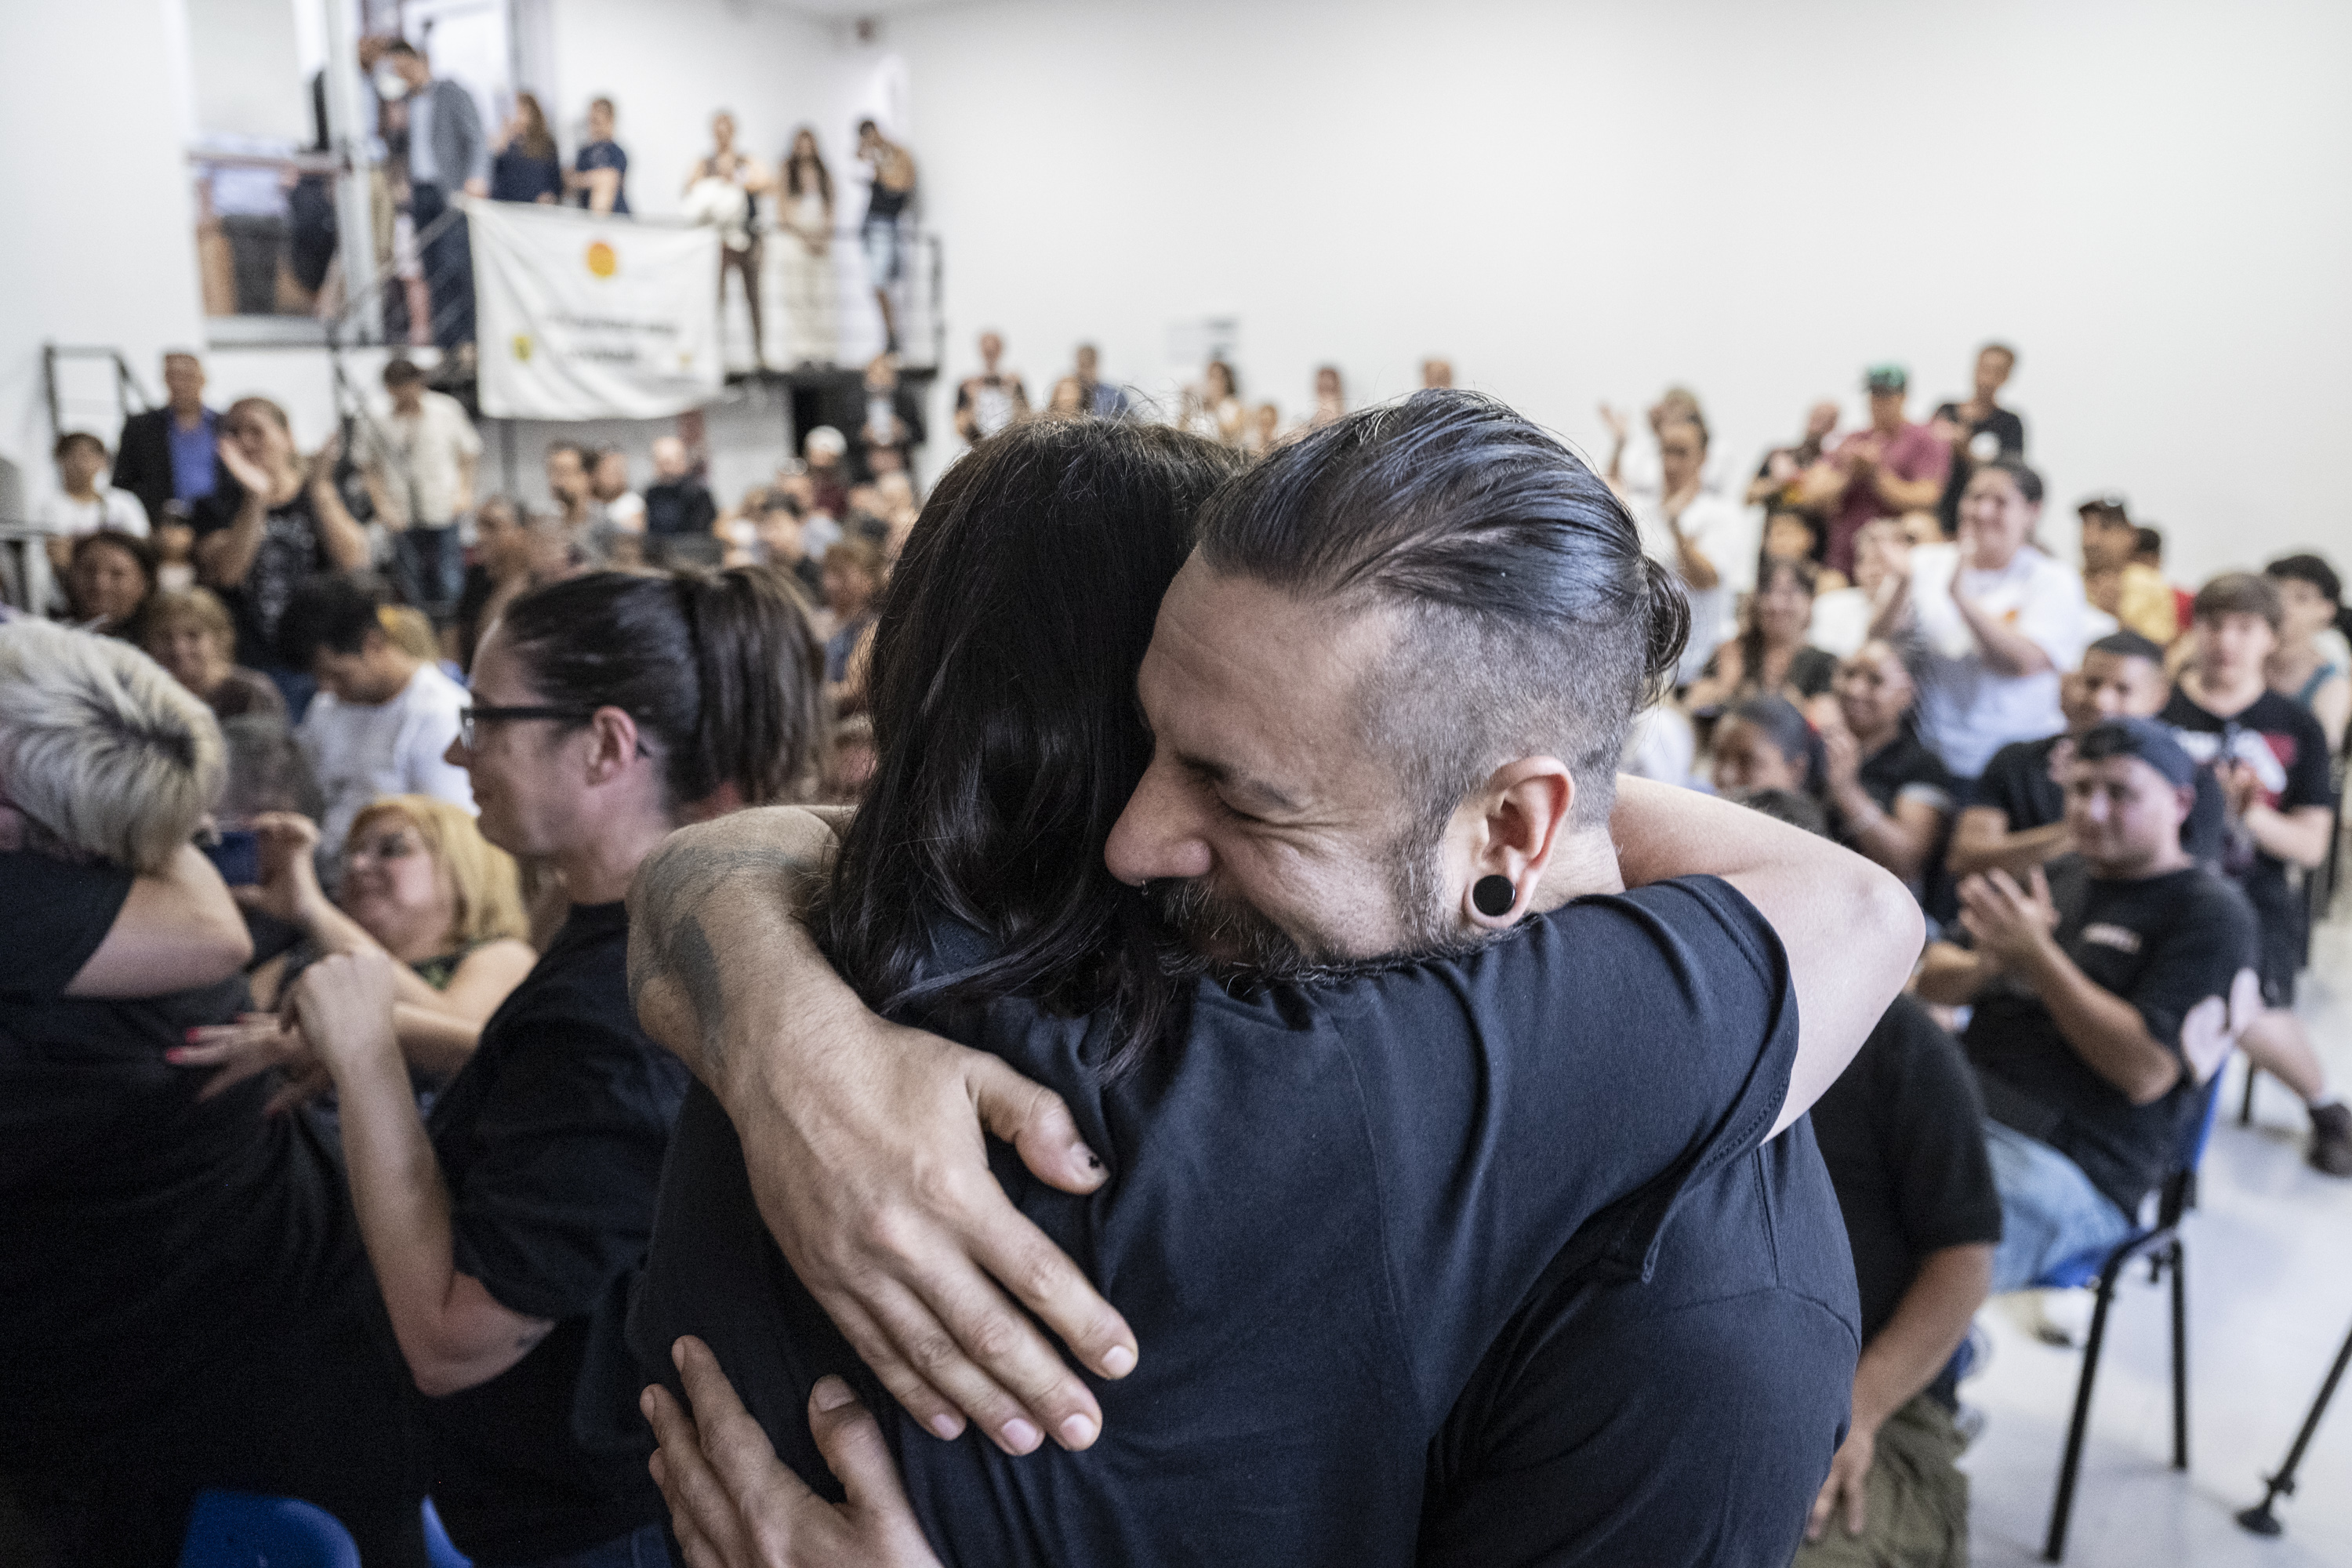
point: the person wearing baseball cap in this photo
(1891, 468)
(2107, 994)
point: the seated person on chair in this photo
(2106, 995)
(2017, 818)
(1902, 1132)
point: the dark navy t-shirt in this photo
(1324, 1207)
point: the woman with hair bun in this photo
(608, 710)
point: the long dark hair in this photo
(720, 669)
(792, 166)
(1751, 637)
(1007, 736)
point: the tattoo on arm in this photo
(675, 947)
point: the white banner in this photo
(583, 316)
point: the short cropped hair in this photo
(332, 613)
(1533, 622)
(72, 438)
(403, 372)
(103, 752)
(2128, 643)
(2240, 594)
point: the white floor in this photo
(2269, 1301)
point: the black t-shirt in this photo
(1902, 769)
(2288, 751)
(1678, 1409)
(2022, 781)
(550, 1139)
(2168, 945)
(155, 1248)
(1322, 1209)
(680, 506)
(1902, 1132)
(2008, 432)
(293, 548)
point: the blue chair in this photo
(2159, 1244)
(238, 1529)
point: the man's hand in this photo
(864, 1146)
(733, 1505)
(2242, 787)
(1848, 1484)
(2009, 922)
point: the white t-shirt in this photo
(1728, 535)
(1967, 711)
(1841, 622)
(361, 750)
(626, 511)
(425, 448)
(62, 515)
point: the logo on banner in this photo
(602, 261)
(523, 345)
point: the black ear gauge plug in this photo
(1493, 896)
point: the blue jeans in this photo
(641, 1548)
(2050, 1212)
(429, 565)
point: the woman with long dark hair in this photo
(1771, 654)
(526, 167)
(607, 710)
(804, 251)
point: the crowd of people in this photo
(478, 960)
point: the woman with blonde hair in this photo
(420, 883)
(185, 1296)
(189, 634)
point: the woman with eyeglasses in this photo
(419, 882)
(608, 710)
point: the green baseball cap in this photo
(1889, 377)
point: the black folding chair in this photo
(2159, 1245)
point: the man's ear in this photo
(1525, 813)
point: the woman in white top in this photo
(804, 251)
(86, 503)
(1989, 621)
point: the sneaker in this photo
(2063, 1317)
(2331, 1138)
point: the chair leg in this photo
(2179, 1356)
(2053, 1550)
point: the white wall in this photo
(247, 70)
(1579, 201)
(101, 246)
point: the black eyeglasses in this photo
(467, 718)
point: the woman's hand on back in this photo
(733, 1505)
(254, 1043)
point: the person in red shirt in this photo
(1890, 468)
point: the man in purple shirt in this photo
(1892, 467)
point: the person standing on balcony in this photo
(446, 153)
(526, 167)
(723, 190)
(805, 209)
(600, 168)
(893, 191)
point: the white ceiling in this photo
(848, 9)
